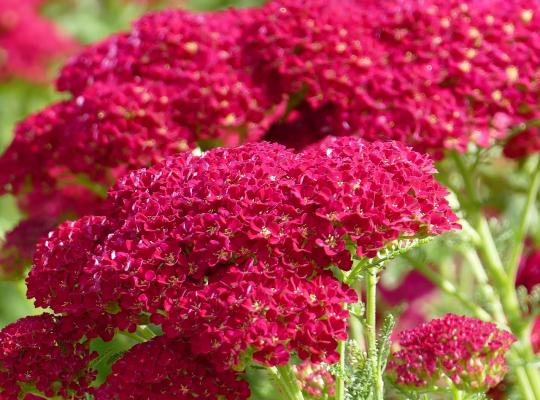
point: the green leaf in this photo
(384, 340)
(392, 250)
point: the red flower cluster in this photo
(435, 74)
(21, 55)
(99, 134)
(43, 354)
(466, 70)
(195, 56)
(318, 49)
(164, 369)
(469, 352)
(230, 249)
(315, 379)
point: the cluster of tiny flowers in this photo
(468, 352)
(21, 55)
(465, 71)
(315, 380)
(43, 354)
(169, 371)
(229, 250)
(434, 74)
(194, 56)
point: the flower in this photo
(468, 352)
(230, 249)
(108, 128)
(21, 55)
(316, 381)
(388, 191)
(318, 48)
(196, 55)
(164, 369)
(458, 68)
(44, 353)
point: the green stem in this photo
(449, 288)
(523, 225)
(502, 282)
(488, 250)
(456, 393)
(355, 324)
(289, 379)
(280, 383)
(523, 384)
(371, 314)
(340, 381)
(356, 331)
(476, 267)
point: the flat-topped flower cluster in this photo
(467, 352)
(229, 252)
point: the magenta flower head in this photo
(315, 379)
(230, 249)
(464, 351)
(164, 369)
(21, 55)
(319, 48)
(459, 72)
(196, 55)
(44, 354)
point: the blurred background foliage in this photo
(87, 21)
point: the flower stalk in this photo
(286, 382)
(340, 379)
(371, 280)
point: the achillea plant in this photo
(464, 353)
(228, 253)
(222, 262)
(169, 371)
(44, 355)
(230, 249)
